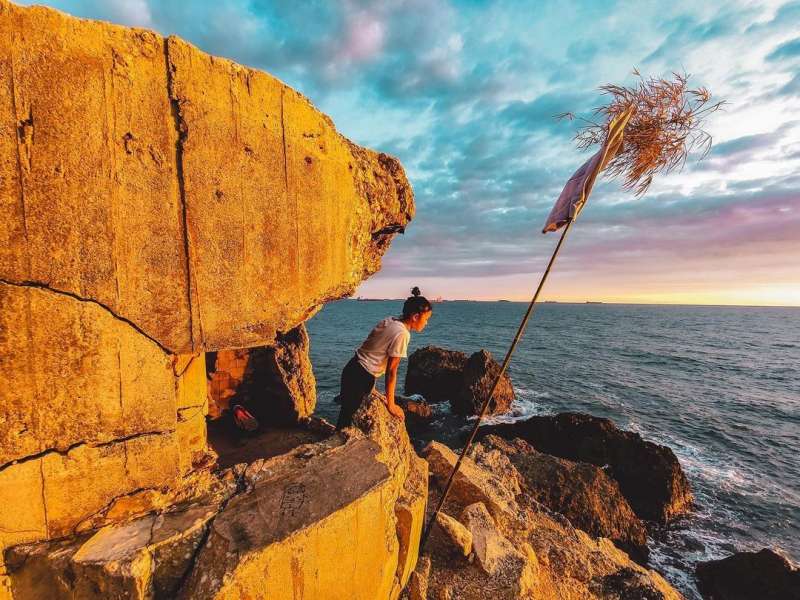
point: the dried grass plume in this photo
(666, 127)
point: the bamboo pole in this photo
(485, 407)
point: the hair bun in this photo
(415, 291)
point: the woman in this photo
(380, 353)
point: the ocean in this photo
(718, 385)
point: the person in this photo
(380, 353)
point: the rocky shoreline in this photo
(587, 474)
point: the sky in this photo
(464, 94)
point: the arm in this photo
(391, 383)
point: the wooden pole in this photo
(426, 533)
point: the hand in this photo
(396, 411)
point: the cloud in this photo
(464, 93)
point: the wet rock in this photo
(626, 584)
(477, 378)
(417, 410)
(765, 575)
(435, 373)
(649, 475)
(582, 492)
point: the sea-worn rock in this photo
(765, 575)
(582, 492)
(439, 375)
(156, 203)
(435, 373)
(479, 373)
(417, 410)
(649, 475)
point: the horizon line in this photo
(590, 302)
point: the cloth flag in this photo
(579, 186)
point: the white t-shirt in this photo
(390, 337)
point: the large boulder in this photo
(448, 375)
(477, 379)
(582, 492)
(649, 475)
(435, 373)
(765, 575)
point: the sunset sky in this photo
(464, 94)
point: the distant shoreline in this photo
(589, 302)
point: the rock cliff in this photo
(157, 203)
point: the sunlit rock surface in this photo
(157, 203)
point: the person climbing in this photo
(380, 353)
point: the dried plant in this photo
(665, 128)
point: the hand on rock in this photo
(396, 411)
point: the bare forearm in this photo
(391, 383)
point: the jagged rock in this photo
(492, 549)
(472, 484)
(765, 575)
(418, 583)
(435, 373)
(275, 383)
(552, 559)
(438, 375)
(146, 558)
(649, 475)
(477, 378)
(162, 202)
(417, 410)
(449, 537)
(580, 491)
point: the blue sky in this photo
(464, 94)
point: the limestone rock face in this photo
(156, 203)
(477, 378)
(435, 373)
(765, 575)
(649, 475)
(581, 492)
(207, 203)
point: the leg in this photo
(356, 385)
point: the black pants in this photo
(357, 384)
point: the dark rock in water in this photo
(416, 408)
(435, 373)
(763, 575)
(582, 492)
(440, 375)
(626, 584)
(476, 383)
(649, 475)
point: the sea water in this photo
(718, 385)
